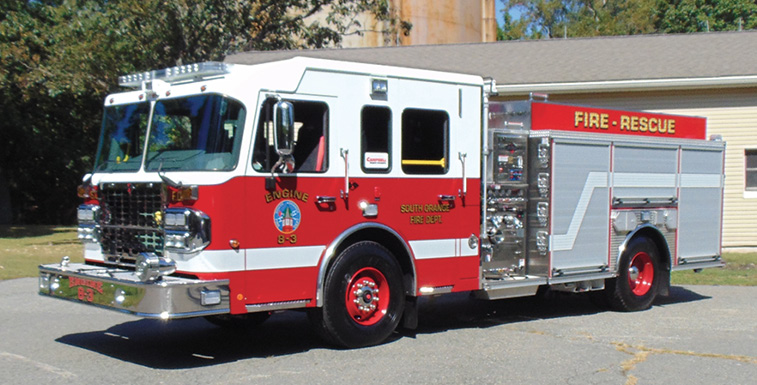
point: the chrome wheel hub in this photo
(366, 296)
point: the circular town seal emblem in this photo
(287, 216)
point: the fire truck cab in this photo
(350, 190)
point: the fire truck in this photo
(352, 190)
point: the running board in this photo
(511, 287)
(272, 306)
(698, 265)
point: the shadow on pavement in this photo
(182, 344)
(458, 311)
(680, 294)
(190, 343)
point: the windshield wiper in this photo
(166, 179)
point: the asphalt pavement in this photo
(698, 335)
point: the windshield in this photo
(122, 137)
(195, 133)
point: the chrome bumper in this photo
(121, 290)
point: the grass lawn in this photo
(23, 248)
(740, 270)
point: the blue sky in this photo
(499, 6)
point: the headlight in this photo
(187, 230)
(170, 219)
(177, 218)
(88, 214)
(89, 223)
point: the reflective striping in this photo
(209, 261)
(701, 181)
(595, 180)
(442, 248)
(206, 261)
(93, 252)
(566, 241)
(435, 248)
(650, 180)
(284, 257)
(465, 249)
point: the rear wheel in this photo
(638, 279)
(363, 297)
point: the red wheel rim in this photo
(641, 273)
(367, 296)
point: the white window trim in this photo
(748, 194)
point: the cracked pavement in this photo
(698, 335)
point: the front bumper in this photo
(121, 290)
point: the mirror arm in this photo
(283, 163)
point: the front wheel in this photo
(638, 279)
(363, 297)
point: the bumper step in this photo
(121, 290)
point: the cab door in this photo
(290, 201)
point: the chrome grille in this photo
(128, 222)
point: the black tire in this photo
(238, 321)
(632, 289)
(342, 321)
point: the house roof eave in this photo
(629, 85)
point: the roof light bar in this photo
(174, 74)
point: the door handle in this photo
(464, 191)
(346, 192)
(325, 199)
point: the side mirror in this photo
(283, 127)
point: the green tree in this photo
(58, 58)
(512, 28)
(678, 16)
(538, 18)
(608, 17)
(578, 18)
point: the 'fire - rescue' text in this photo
(601, 121)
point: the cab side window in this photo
(425, 141)
(310, 148)
(375, 137)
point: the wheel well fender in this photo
(652, 233)
(376, 232)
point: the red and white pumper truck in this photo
(350, 190)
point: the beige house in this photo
(707, 74)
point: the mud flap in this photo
(664, 289)
(410, 315)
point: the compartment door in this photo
(700, 204)
(580, 207)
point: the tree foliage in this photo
(579, 18)
(58, 58)
(705, 15)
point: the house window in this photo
(750, 157)
(425, 141)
